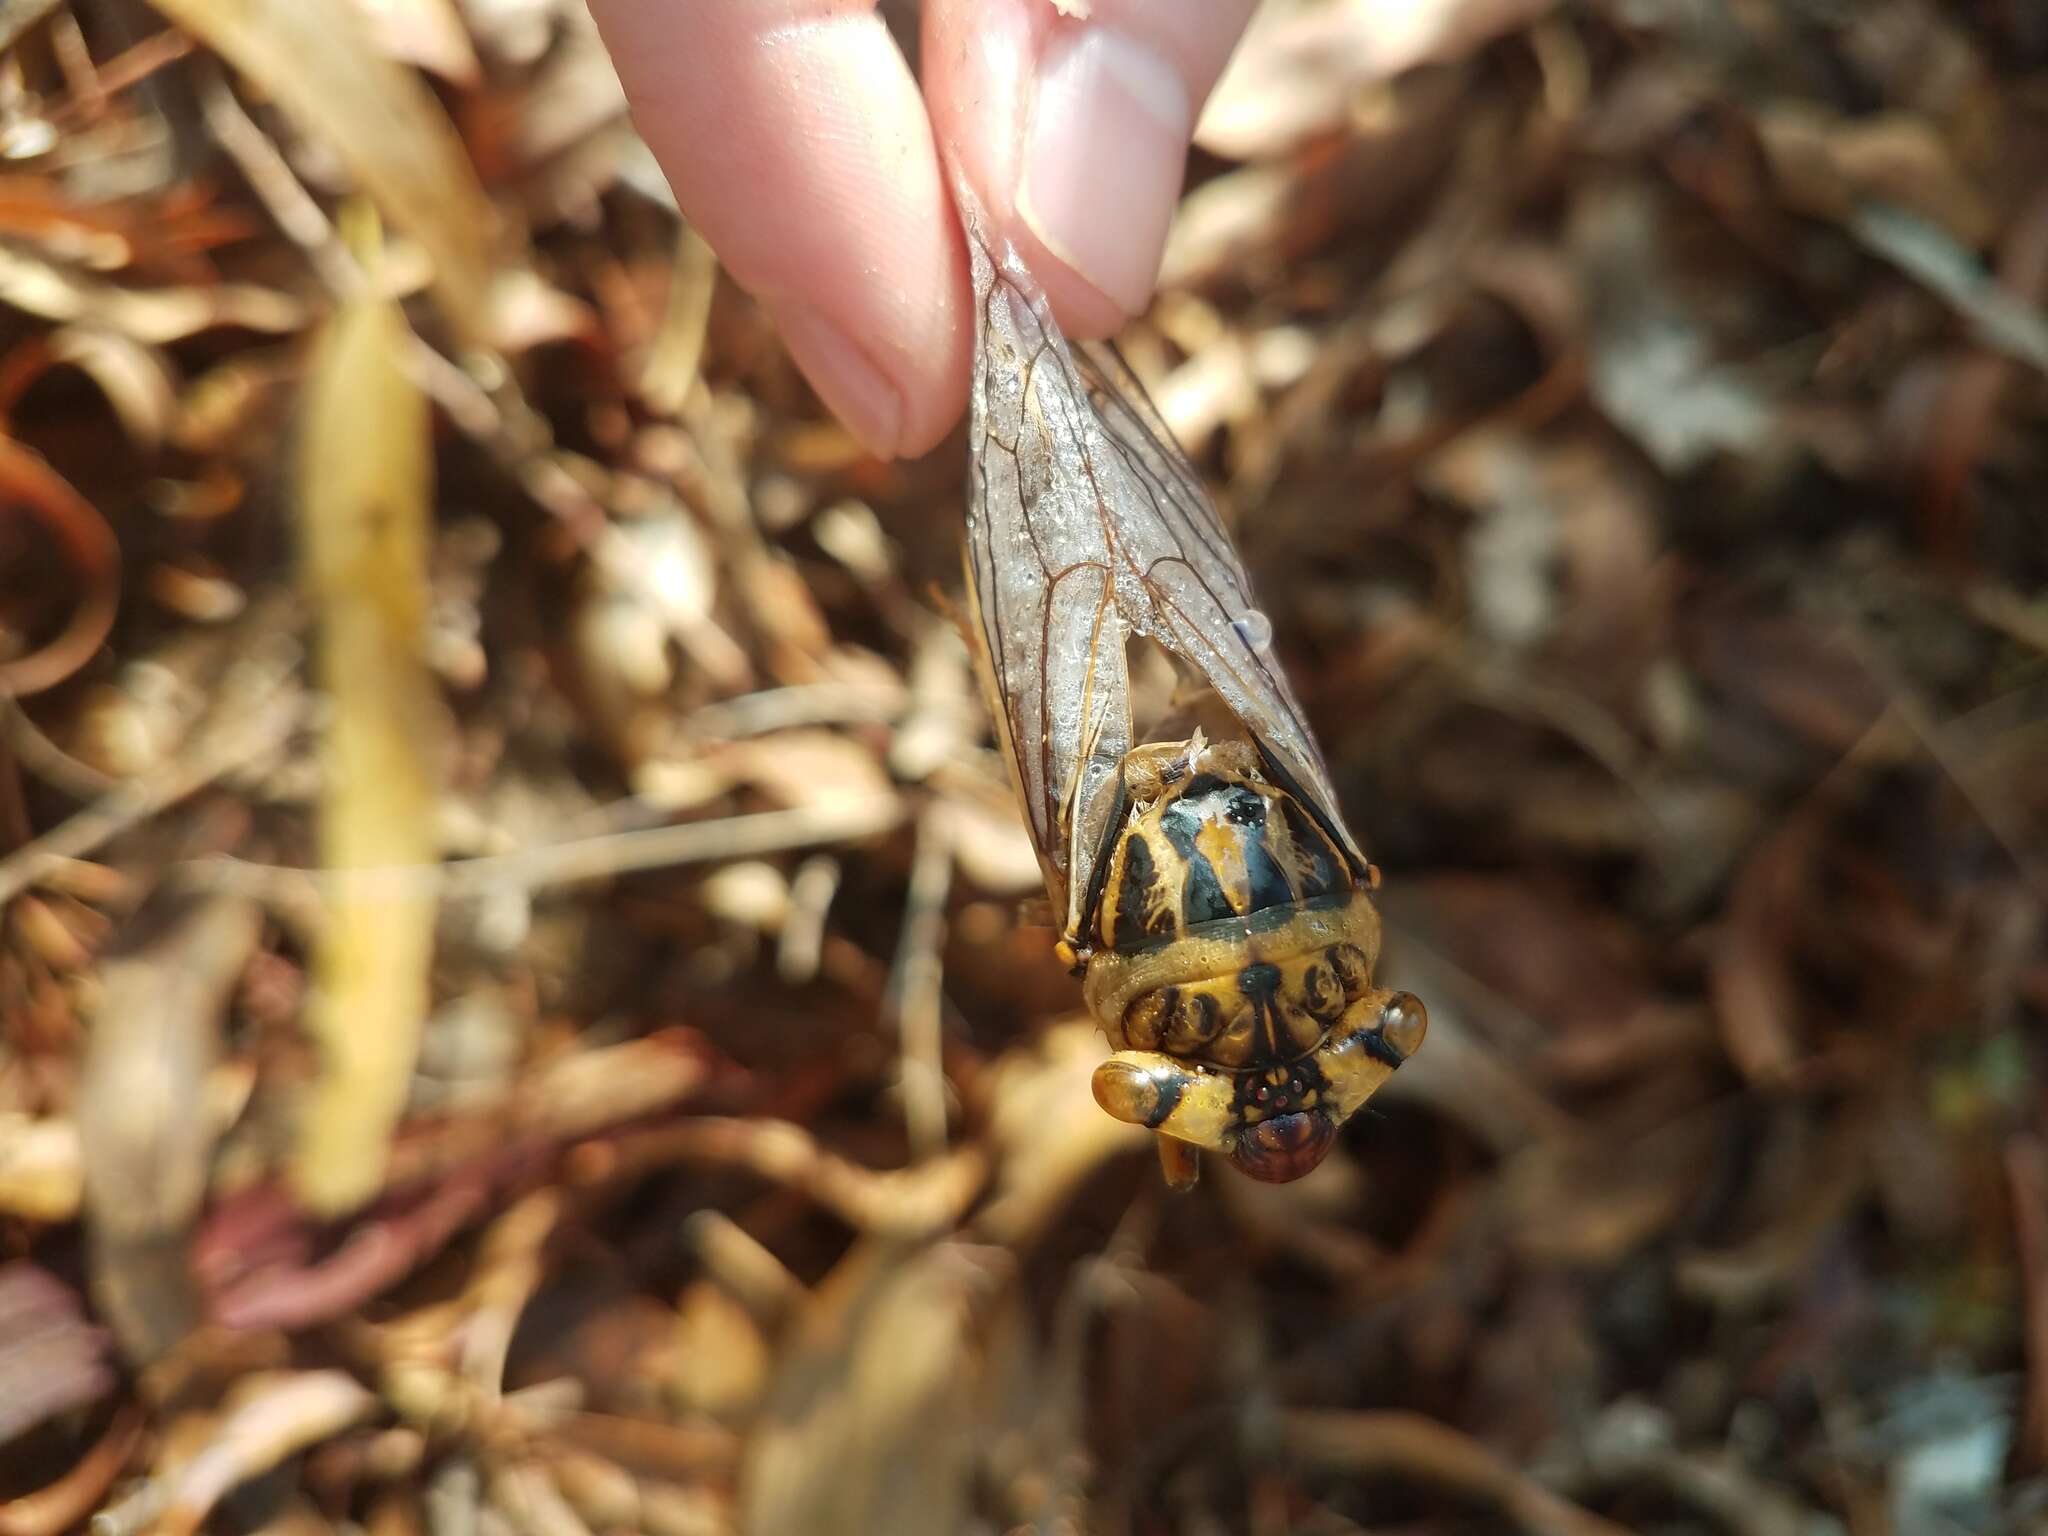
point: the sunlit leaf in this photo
(364, 482)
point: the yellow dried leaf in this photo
(872, 1421)
(810, 768)
(364, 484)
(318, 61)
(723, 1356)
(41, 1169)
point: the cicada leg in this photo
(1359, 1057)
(1170, 1096)
(1206, 1108)
(1181, 1163)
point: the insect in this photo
(1207, 891)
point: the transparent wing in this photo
(1190, 592)
(1085, 524)
(1042, 577)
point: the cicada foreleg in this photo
(1274, 1124)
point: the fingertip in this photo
(1075, 132)
(797, 142)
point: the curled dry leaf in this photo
(429, 33)
(590, 1090)
(817, 769)
(65, 1503)
(1755, 995)
(29, 486)
(1827, 165)
(136, 378)
(1050, 1134)
(155, 316)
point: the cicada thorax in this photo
(1233, 952)
(1210, 840)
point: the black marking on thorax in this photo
(1238, 811)
(1273, 853)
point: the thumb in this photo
(1074, 130)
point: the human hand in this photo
(799, 144)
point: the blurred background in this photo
(1633, 415)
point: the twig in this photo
(909, 1202)
(1421, 1448)
(123, 72)
(802, 941)
(264, 167)
(280, 1418)
(60, 1506)
(573, 862)
(265, 726)
(915, 987)
(743, 1266)
(781, 709)
(17, 16)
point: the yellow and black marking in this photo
(1232, 962)
(1277, 1123)
(1215, 845)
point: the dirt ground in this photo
(1634, 415)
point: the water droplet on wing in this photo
(1255, 629)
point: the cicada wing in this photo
(1188, 588)
(1080, 495)
(1041, 575)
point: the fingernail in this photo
(859, 393)
(1104, 160)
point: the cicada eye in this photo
(1195, 1021)
(1149, 1016)
(1353, 971)
(1322, 994)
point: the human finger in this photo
(798, 144)
(1074, 130)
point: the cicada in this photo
(1207, 891)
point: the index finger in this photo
(798, 144)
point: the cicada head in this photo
(1274, 1123)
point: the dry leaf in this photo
(148, 1139)
(1301, 65)
(51, 1360)
(152, 315)
(42, 1174)
(364, 479)
(428, 33)
(871, 1425)
(316, 59)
